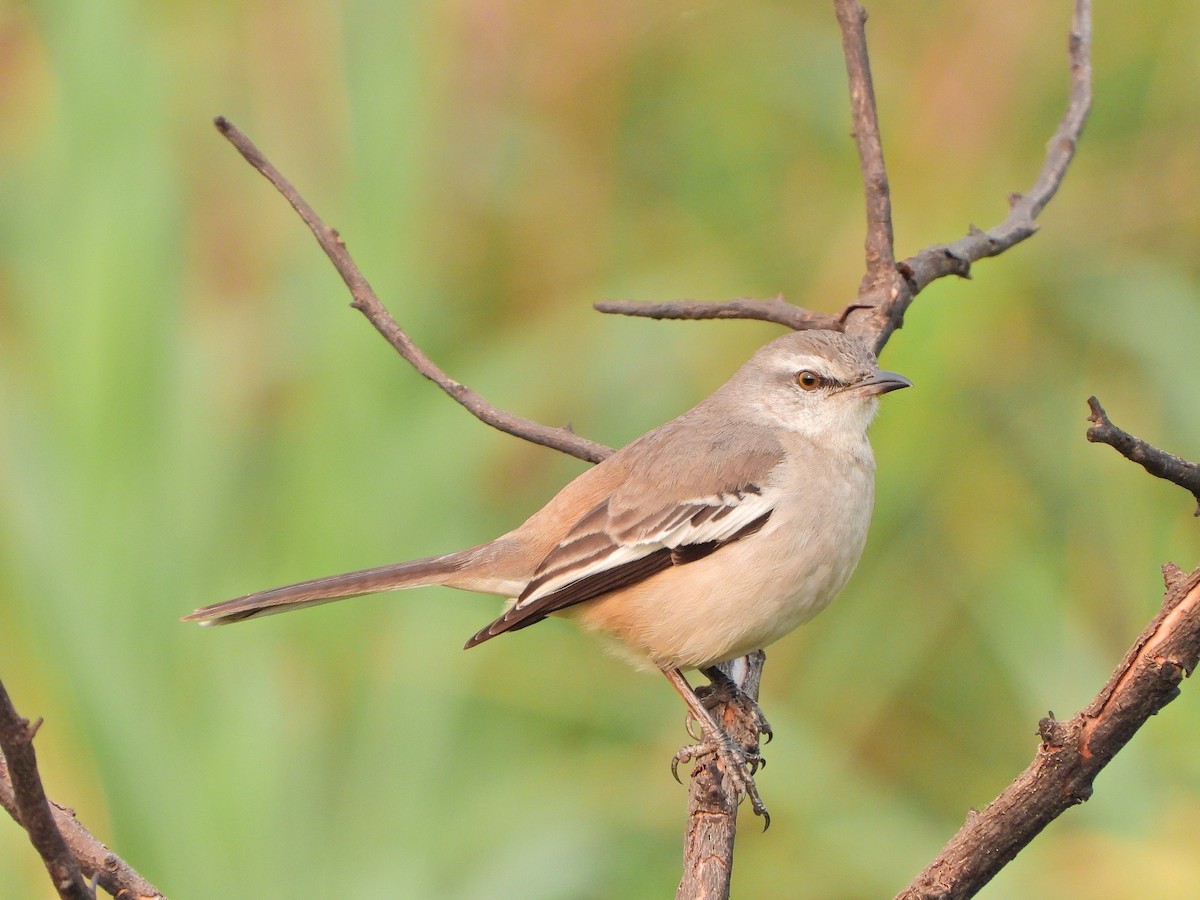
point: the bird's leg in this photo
(736, 762)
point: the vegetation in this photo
(188, 411)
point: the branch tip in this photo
(1159, 463)
(366, 302)
(929, 264)
(775, 309)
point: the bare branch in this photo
(881, 260)
(96, 862)
(888, 288)
(366, 302)
(956, 258)
(1073, 753)
(775, 310)
(32, 810)
(1157, 462)
(939, 260)
(884, 292)
(883, 283)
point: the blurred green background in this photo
(189, 411)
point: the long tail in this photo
(417, 572)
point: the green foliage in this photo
(188, 411)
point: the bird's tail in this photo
(415, 573)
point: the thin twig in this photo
(1157, 462)
(366, 302)
(881, 259)
(31, 806)
(956, 258)
(1073, 753)
(775, 310)
(884, 293)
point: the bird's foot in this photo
(739, 763)
(736, 745)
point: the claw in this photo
(739, 763)
(763, 726)
(754, 761)
(743, 777)
(686, 755)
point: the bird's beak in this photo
(880, 383)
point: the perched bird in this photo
(710, 537)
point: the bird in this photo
(705, 539)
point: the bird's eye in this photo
(808, 380)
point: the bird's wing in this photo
(611, 548)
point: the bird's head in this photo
(822, 383)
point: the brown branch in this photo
(775, 310)
(956, 258)
(888, 299)
(882, 282)
(1073, 753)
(96, 861)
(1157, 462)
(93, 859)
(881, 259)
(884, 293)
(366, 302)
(99, 863)
(31, 808)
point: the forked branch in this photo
(30, 807)
(1072, 753)
(888, 288)
(74, 857)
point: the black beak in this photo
(881, 382)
